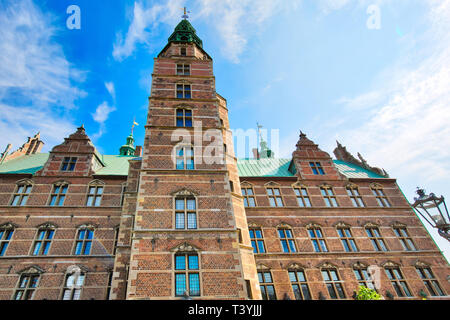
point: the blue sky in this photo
(313, 65)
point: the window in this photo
(189, 280)
(334, 285)
(58, 195)
(299, 285)
(375, 237)
(329, 196)
(287, 240)
(73, 285)
(355, 197)
(302, 197)
(69, 163)
(317, 239)
(94, 198)
(316, 168)
(6, 234)
(347, 239)
(83, 242)
(275, 198)
(185, 213)
(183, 52)
(382, 200)
(429, 280)
(257, 240)
(183, 69)
(21, 195)
(249, 197)
(183, 91)
(363, 277)
(184, 118)
(405, 239)
(27, 285)
(185, 158)
(43, 241)
(398, 282)
(266, 285)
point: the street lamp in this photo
(434, 211)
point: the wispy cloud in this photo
(407, 128)
(37, 82)
(235, 21)
(103, 111)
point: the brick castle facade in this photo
(163, 222)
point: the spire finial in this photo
(185, 15)
(134, 124)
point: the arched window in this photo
(58, 195)
(43, 241)
(185, 212)
(21, 194)
(287, 240)
(83, 242)
(6, 233)
(332, 281)
(95, 194)
(297, 277)
(73, 284)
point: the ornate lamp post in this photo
(434, 210)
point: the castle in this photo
(157, 223)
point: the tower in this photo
(190, 234)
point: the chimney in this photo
(255, 153)
(138, 152)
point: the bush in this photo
(365, 293)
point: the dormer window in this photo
(183, 52)
(69, 163)
(316, 168)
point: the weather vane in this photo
(185, 15)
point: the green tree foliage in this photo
(365, 293)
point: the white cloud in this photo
(36, 89)
(101, 115)
(111, 89)
(234, 20)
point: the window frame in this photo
(330, 199)
(318, 241)
(246, 197)
(58, 195)
(255, 241)
(363, 277)
(316, 168)
(185, 90)
(182, 67)
(68, 164)
(380, 196)
(334, 283)
(393, 278)
(187, 272)
(185, 157)
(45, 243)
(430, 281)
(6, 235)
(404, 238)
(185, 211)
(96, 195)
(298, 191)
(275, 197)
(26, 188)
(347, 239)
(376, 239)
(355, 196)
(28, 286)
(290, 243)
(84, 240)
(301, 284)
(74, 288)
(184, 118)
(265, 284)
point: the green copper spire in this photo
(128, 148)
(265, 151)
(185, 32)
